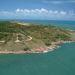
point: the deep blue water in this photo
(61, 23)
(59, 62)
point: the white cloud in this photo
(31, 10)
(41, 13)
(63, 12)
(17, 10)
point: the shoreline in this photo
(40, 49)
(51, 48)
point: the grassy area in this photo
(42, 36)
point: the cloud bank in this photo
(41, 13)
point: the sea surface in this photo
(61, 61)
(60, 23)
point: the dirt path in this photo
(29, 38)
(2, 41)
(17, 40)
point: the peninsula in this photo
(19, 37)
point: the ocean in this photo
(60, 23)
(61, 61)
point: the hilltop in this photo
(18, 37)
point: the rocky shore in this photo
(53, 46)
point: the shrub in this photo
(26, 49)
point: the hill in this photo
(26, 37)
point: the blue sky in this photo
(37, 9)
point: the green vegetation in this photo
(20, 37)
(26, 49)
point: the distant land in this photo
(19, 37)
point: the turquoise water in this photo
(61, 23)
(59, 62)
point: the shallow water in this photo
(59, 62)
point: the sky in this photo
(37, 9)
